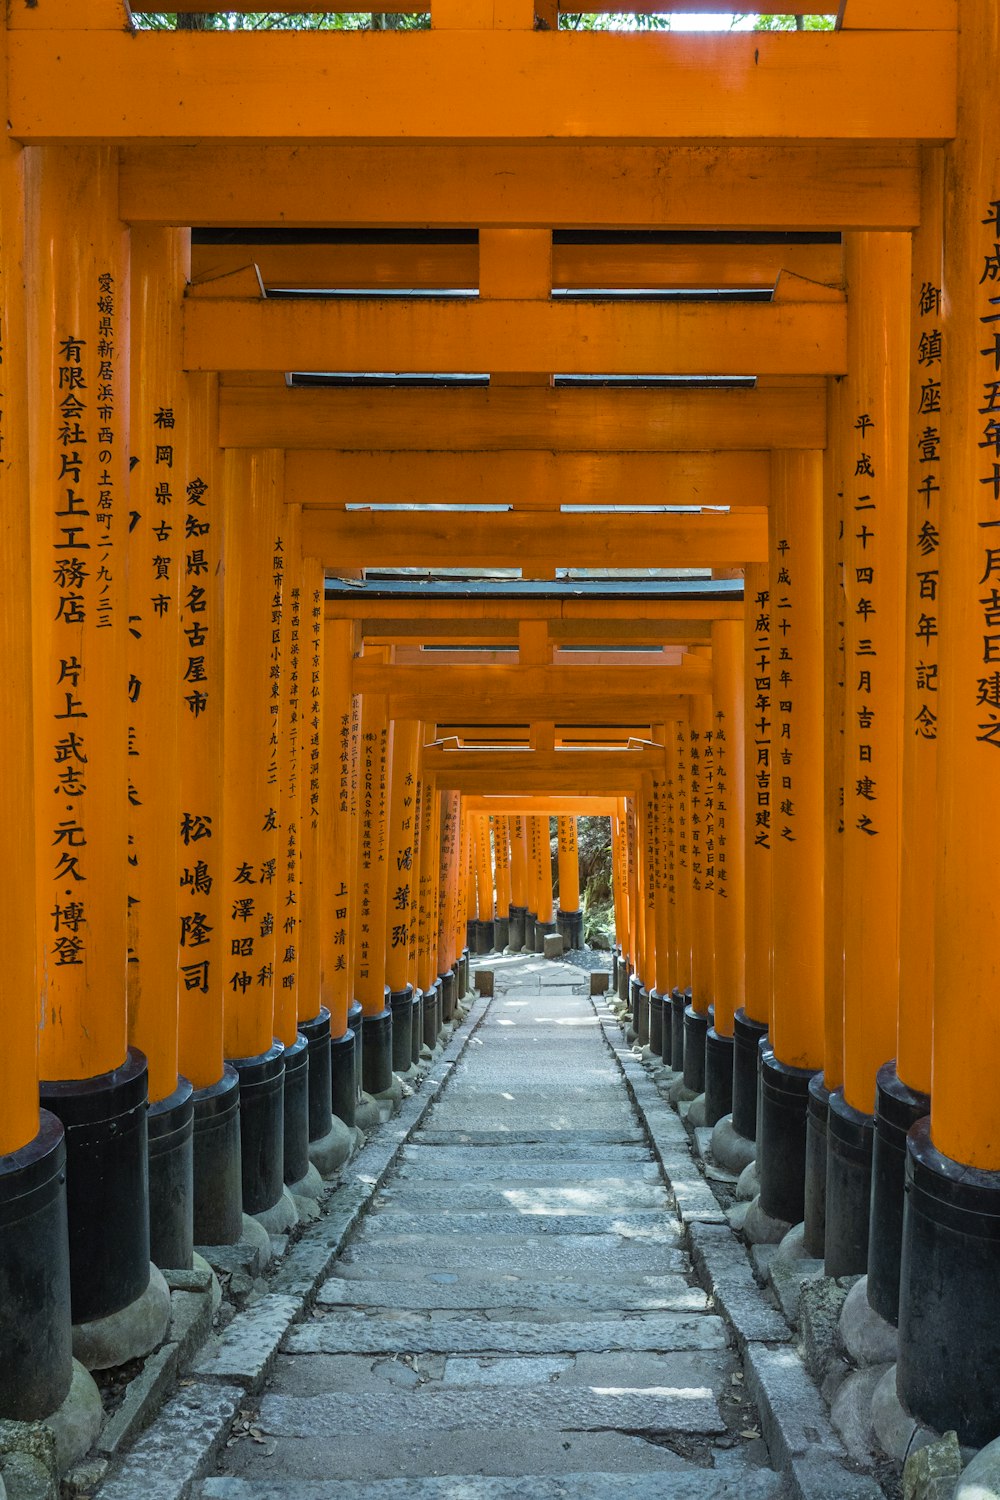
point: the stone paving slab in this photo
(351, 1332)
(543, 1139)
(245, 1351)
(567, 1254)
(179, 1448)
(759, 1484)
(600, 1195)
(660, 1409)
(543, 1161)
(512, 1452)
(657, 1225)
(650, 1294)
(322, 1374)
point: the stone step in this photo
(348, 1331)
(555, 1162)
(724, 1482)
(649, 1294)
(659, 1410)
(601, 1195)
(565, 1254)
(493, 1450)
(542, 1139)
(688, 1369)
(387, 1221)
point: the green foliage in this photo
(265, 20)
(786, 23)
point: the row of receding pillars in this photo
(234, 909)
(822, 965)
(511, 906)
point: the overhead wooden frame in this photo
(529, 481)
(833, 185)
(776, 414)
(440, 335)
(347, 540)
(424, 86)
(574, 266)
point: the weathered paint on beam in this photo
(529, 481)
(775, 414)
(415, 266)
(346, 540)
(828, 186)
(498, 706)
(439, 335)
(693, 675)
(479, 85)
(595, 807)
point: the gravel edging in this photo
(802, 1442)
(225, 1371)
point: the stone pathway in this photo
(516, 1316)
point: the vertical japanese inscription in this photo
(988, 412)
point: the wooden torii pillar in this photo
(35, 1334)
(949, 1251)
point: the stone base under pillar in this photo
(131, 1332)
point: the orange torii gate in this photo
(171, 500)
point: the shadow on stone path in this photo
(516, 1315)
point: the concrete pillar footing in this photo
(76, 1423)
(333, 1150)
(132, 1331)
(310, 1185)
(760, 1229)
(281, 1216)
(730, 1150)
(366, 1116)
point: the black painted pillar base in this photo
(107, 1185)
(376, 1052)
(621, 984)
(501, 933)
(642, 1030)
(296, 1097)
(401, 1009)
(317, 1035)
(515, 927)
(656, 1023)
(218, 1161)
(659, 1001)
(344, 1077)
(449, 984)
(814, 1214)
(262, 1127)
(678, 1005)
(170, 1132)
(471, 929)
(35, 1334)
(529, 931)
(416, 1026)
(849, 1139)
(635, 993)
(897, 1110)
(695, 1032)
(542, 931)
(571, 927)
(432, 1014)
(483, 937)
(719, 1051)
(746, 1064)
(781, 1137)
(463, 976)
(355, 1015)
(948, 1367)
